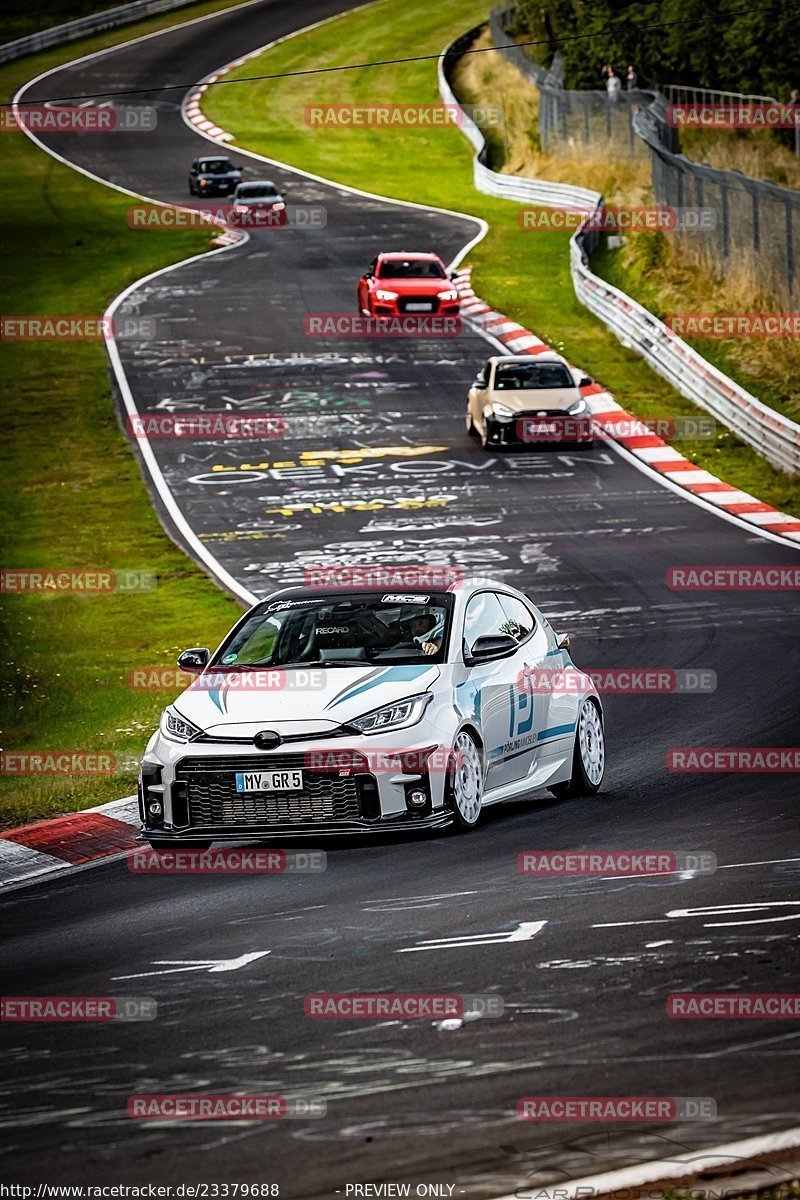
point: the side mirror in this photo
(563, 641)
(585, 381)
(194, 661)
(493, 645)
(481, 383)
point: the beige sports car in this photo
(522, 399)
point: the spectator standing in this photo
(631, 79)
(614, 85)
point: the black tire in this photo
(456, 800)
(169, 844)
(579, 783)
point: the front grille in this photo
(213, 800)
(534, 413)
(404, 301)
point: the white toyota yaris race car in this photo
(330, 710)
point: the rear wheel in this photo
(465, 782)
(588, 757)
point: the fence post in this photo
(787, 208)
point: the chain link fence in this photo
(755, 226)
(571, 121)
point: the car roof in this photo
(426, 254)
(546, 356)
(258, 183)
(405, 589)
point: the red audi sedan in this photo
(400, 282)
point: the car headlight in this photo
(578, 407)
(278, 206)
(450, 294)
(393, 716)
(382, 294)
(202, 182)
(501, 410)
(177, 728)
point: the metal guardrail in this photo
(511, 187)
(110, 18)
(678, 93)
(770, 433)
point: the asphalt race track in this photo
(376, 467)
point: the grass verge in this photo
(72, 495)
(522, 273)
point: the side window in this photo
(484, 618)
(519, 620)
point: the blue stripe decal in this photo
(399, 674)
(555, 730)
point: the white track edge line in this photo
(665, 1169)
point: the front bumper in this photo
(553, 429)
(194, 787)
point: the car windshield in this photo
(517, 376)
(411, 268)
(341, 630)
(215, 166)
(257, 191)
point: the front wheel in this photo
(465, 782)
(588, 757)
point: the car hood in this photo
(313, 700)
(416, 287)
(258, 201)
(537, 399)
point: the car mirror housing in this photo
(194, 661)
(585, 381)
(499, 645)
(563, 641)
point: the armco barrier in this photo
(767, 431)
(510, 187)
(111, 18)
